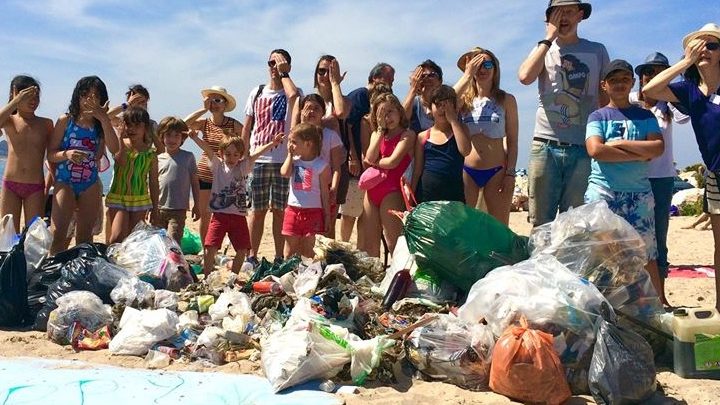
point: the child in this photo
(77, 145)
(134, 188)
(178, 177)
(621, 138)
(390, 150)
(228, 196)
(440, 152)
(23, 184)
(308, 211)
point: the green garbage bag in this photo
(271, 269)
(190, 243)
(459, 243)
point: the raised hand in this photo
(553, 23)
(136, 99)
(694, 49)
(26, 94)
(473, 64)
(278, 139)
(335, 76)
(450, 111)
(281, 63)
(416, 80)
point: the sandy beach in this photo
(687, 247)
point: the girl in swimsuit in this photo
(23, 186)
(391, 147)
(492, 117)
(217, 101)
(136, 168)
(76, 146)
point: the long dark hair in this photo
(21, 82)
(84, 85)
(317, 66)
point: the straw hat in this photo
(229, 105)
(585, 7)
(707, 29)
(463, 59)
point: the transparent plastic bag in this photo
(133, 292)
(525, 367)
(140, 330)
(231, 303)
(37, 244)
(307, 279)
(8, 237)
(459, 243)
(165, 299)
(77, 306)
(452, 350)
(622, 370)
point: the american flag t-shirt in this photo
(270, 113)
(302, 178)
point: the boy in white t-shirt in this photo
(228, 197)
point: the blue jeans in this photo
(557, 179)
(662, 189)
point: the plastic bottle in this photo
(398, 288)
(267, 287)
(223, 261)
(247, 268)
(327, 386)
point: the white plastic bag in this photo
(231, 302)
(140, 330)
(7, 233)
(131, 291)
(37, 244)
(307, 280)
(165, 299)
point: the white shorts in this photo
(353, 206)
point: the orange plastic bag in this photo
(525, 367)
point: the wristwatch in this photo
(545, 42)
(284, 75)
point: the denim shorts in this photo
(557, 179)
(637, 208)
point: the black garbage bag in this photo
(622, 370)
(88, 271)
(13, 286)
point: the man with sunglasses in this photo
(426, 78)
(268, 112)
(568, 70)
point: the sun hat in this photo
(231, 103)
(462, 60)
(615, 65)
(585, 7)
(707, 29)
(654, 59)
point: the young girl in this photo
(23, 186)
(390, 149)
(312, 110)
(136, 167)
(308, 210)
(77, 144)
(492, 118)
(229, 196)
(440, 151)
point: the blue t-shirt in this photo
(360, 102)
(704, 114)
(612, 124)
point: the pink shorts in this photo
(303, 221)
(235, 226)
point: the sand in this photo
(687, 247)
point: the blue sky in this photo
(176, 48)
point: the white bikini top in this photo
(487, 117)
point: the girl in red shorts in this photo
(228, 196)
(308, 210)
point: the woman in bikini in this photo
(390, 150)
(217, 101)
(23, 186)
(76, 146)
(492, 118)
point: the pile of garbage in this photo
(464, 300)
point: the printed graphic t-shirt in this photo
(228, 194)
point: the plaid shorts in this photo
(636, 208)
(268, 189)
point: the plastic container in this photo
(398, 288)
(696, 343)
(267, 287)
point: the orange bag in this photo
(525, 367)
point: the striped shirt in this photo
(213, 134)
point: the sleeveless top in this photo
(387, 147)
(487, 117)
(87, 140)
(305, 183)
(213, 134)
(129, 188)
(443, 159)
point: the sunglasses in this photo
(322, 71)
(651, 70)
(488, 64)
(271, 63)
(712, 46)
(219, 100)
(429, 75)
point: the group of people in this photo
(310, 159)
